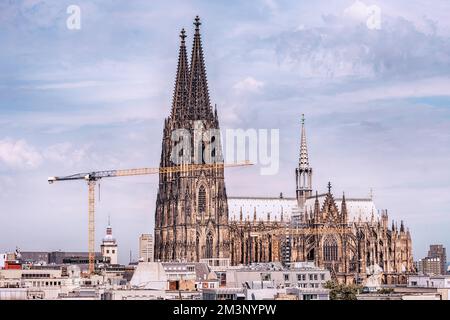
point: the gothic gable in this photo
(329, 211)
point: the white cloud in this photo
(358, 11)
(412, 89)
(65, 153)
(271, 4)
(67, 85)
(18, 154)
(343, 46)
(248, 84)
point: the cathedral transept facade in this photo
(348, 236)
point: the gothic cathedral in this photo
(195, 220)
(191, 220)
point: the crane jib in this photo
(93, 176)
(96, 175)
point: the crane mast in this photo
(91, 225)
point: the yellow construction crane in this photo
(93, 177)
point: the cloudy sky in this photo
(376, 101)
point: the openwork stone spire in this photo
(180, 94)
(198, 85)
(303, 173)
(303, 160)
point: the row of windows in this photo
(303, 277)
(310, 285)
(207, 285)
(112, 251)
(46, 283)
(177, 276)
(189, 268)
(137, 296)
(35, 275)
(310, 297)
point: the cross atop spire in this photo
(183, 36)
(197, 23)
(329, 187)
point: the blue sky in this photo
(377, 106)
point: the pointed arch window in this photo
(209, 246)
(311, 255)
(201, 199)
(187, 207)
(232, 251)
(197, 247)
(330, 249)
(203, 153)
(213, 149)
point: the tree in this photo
(341, 291)
(385, 291)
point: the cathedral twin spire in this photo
(191, 94)
(180, 95)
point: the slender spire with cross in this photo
(303, 174)
(329, 187)
(198, 85)
(180, 94)
(303, 161)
